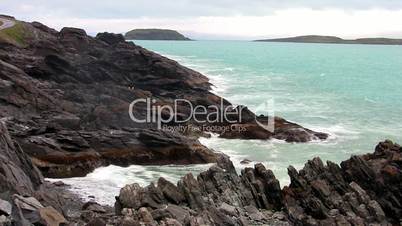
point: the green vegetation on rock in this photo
(15, 34)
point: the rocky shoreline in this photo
(64, 100)
(363, 190)
(65, 97)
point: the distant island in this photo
(336, 40)
(155, 34)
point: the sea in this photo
(352, 92)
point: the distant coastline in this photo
(155, 34)
(335, 40)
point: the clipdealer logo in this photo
(199, 114)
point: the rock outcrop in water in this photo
(364, 190)
(65, 98)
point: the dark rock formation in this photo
(364, 190)
(17, 173)
(20, 183)
(336, 40)
(66, 95)
(67, 153)
(155, 34)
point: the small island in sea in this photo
(155, 34)
(335, 40)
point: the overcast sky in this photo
(219, 19)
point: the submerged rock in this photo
(245, 161)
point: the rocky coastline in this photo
(64, 100)
(363, 190)
(65, 97)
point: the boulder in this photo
(93, 206)
(49, 216)
(110, 38)
(5, 208)
(170, 191)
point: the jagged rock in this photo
(5, 221)
(170, 222)
(319, 194)
(96, 222)
(134, 196)
(130, 222)
(131, 196)
(27, 208)
(17, 173)
(5, 208)
(49, 216)
(254, 214)
(146, 217)
(215, 197)
(110, 38)
(228, 209)
(170, 191)
(93, 206)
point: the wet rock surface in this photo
(66, 97)
(364, 190)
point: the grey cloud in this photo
(175, 9)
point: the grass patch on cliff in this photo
(1, 23)
(15, 34)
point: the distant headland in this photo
(155, 34)
(336, 40)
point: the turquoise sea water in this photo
(352, 92)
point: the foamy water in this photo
(351, 92)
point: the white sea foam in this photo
(105, 182)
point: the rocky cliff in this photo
(65, 98)
(155, 34)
